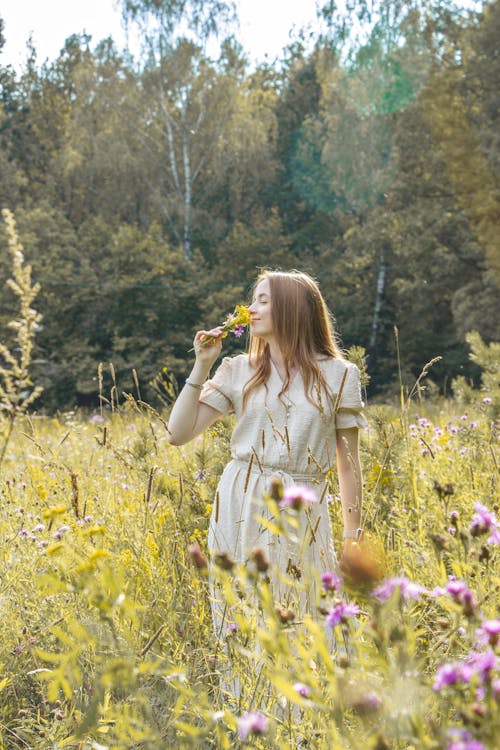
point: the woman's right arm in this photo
(189, 417)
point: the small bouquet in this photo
(236, 321)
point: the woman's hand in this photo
(207, 353)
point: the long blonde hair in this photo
(303, 327)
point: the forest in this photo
(148, 191)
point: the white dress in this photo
(285, 437)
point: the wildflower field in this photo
(106, 629)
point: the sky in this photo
(265, 25)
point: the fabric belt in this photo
(286, 477)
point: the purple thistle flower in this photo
(251, 723)
(489, 631)
(456, 588)
(295, 495)
(448, 674)
(461, 739)
(407, 589)
(486, 400)
(340, 613)
(484, 521)
(483, 663)
(331, 581)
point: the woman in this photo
(297, 405)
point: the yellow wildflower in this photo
(236, 321)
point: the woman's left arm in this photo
(350, 482)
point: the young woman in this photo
(298, 407)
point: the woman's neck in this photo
(276, 354)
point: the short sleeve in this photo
(350, 406)
(217, 392)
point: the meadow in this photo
(107, 638)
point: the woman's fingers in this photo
(208, 339)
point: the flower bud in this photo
(224, 561)
(197, 556)
(260, 560)
(284, 615)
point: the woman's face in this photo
(260, 311)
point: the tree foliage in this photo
(149, 192)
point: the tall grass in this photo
(107, 637)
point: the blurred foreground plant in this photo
(16, 389)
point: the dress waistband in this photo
(254, 464)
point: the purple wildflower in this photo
(492, 627)
(407, 589)
(340, 613)
(38, 527)
(448, 674)
(483, 522)
(295, 495)
(483, 663)
(489, 631)
(456, 588)
(302, 689)
(486, 400)
(238, 331)
(232, 627)
(251, 723)
(330, 581)
(96, 419)
(60, 532)
(461, 739)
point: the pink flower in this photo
(302, 689)
(461, 739)
(330, 581)
(484, 521)
(407, 589)
(340, 613)
(238, 331)
(461, 593)
(295, 495)
(449, 674)
(251, 723)
(96, 419)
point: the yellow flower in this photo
(234, 322)
(241, 316)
